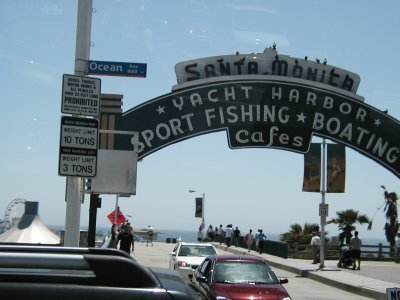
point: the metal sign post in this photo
(323, 216)
(74, 184)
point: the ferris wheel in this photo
(14, 212)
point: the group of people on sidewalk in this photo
(354, 250)
(259, 238)
(230, 236)
(122, 237)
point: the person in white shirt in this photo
(150, 234)
(228, 235)
(249, 239)
(316, 245)
(355, 245)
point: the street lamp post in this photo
(203, 224)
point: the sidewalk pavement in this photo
(330, 274)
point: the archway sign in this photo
(265, 100)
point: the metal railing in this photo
(375, 252)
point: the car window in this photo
(197, 250)
(185, 251)
(204, 267)
(239, 271)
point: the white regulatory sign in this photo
(78, 147)
(393, 293)
(323, 210)
(80, 95)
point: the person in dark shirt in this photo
(113, 240)
(125, 240)
(236, 235)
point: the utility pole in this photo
(73, 190)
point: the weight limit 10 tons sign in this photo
(78, 147)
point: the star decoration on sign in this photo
(377, 122)
(301, 118)
(160, 110)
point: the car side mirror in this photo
(283, 280)
(172, 254)
(201, 278)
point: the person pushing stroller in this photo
(346, 256)
(350, 255)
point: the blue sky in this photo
(250, 188)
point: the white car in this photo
(186, 257)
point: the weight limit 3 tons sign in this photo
(78, 147)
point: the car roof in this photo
(72, 265)
(195, 244)
(233, 257)
(62, 250)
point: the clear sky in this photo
(250, 188)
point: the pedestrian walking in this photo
(221, 234)
(355, 245)
(315, 246)
(236, 235)
(150, 234)
(200, 234)
(210, 233)
(260, 239)
(249, 239)
(228, 235)
(113, 238)
(126, 241)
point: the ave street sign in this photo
(81, 95)
(117, 68)
(78, 147)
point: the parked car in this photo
(47, 273)
(239, 277)
(186, 257)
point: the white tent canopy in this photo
(30, 229)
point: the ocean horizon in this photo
(191, 236)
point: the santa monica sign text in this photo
(266, 111)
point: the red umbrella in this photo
(120, 217)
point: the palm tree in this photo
(392, 224)
(346, 220)
(299, 235)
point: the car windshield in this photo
(203, 112)
(196, 250)
(243, 272)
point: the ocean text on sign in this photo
(125, 69)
